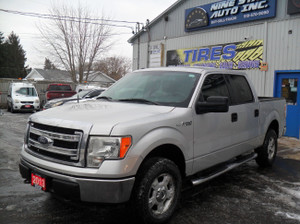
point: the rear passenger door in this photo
(244, 113)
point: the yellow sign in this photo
(238, 56)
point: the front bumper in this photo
(84, 189)
(25, 106)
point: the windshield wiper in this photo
(139, 100)
(105, 98)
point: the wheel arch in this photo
(171, 152)
(275, 126)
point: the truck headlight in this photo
(102, 148)
(37, 101)
(17, 101)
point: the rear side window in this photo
(214, 85)
(60, 88)
(240, 90)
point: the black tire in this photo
(8, 108)
(266, 154)
(12, 109)
(157, 190)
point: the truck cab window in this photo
(240, 89)
(214, 85)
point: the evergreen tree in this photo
(48, 64)
(13, 58)
(2, 50)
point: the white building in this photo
(259, 36)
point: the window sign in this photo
(155, 55)
(289, 90)
(228, 12)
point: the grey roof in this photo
(100, 77)
(55, 75)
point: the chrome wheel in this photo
(157, 190)
(161, 194)
(271, 148)
(266, 154)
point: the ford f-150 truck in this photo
(59, 90)
(147, 133)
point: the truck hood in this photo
(99, 117)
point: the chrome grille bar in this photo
(55, 145)
(57, 136)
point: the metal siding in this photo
(135, 57)
(143, 57)
(283, 49)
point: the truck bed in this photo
(264, 98)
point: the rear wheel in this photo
(157, 190)
(267, 153)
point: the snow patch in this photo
(289, 215)
(10, 207)
(294, 193)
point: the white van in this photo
(22, 97)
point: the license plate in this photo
(27, 106)
(38, 181)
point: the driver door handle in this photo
(234, 117)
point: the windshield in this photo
(169, 88)
(26, 91)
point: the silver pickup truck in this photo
(147, 133)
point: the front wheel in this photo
(12, 108)
(157, 190)
(267, 153)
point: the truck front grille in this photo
(55, 143)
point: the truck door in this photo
(244, 114)
(212, 132)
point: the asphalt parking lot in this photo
(245, 195)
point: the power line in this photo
(75, 19)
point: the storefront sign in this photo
(264, 66)
(293, 6)
(228, 12)
(239, 56)
(155, 55)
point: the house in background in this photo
(100, 77)
(55, 75)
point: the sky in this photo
(27, 27)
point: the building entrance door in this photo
(287, 85)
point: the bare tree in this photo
(76, 39)
(115, 67)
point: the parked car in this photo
(84, 94)
(22, 97)
(59, 90)
(149, 132)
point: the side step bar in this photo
(226, 168)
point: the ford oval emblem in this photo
(45, 140)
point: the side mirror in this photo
(216, 104)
